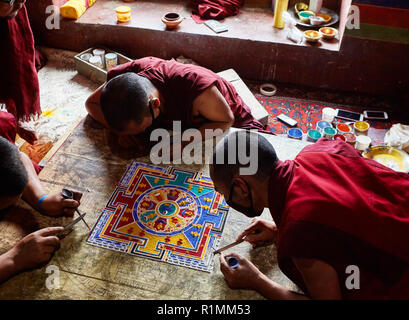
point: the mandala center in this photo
(166, 211)
(167, 208)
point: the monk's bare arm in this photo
(212, 106)
(320, 278)
(93, 106)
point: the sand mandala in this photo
(166, 214)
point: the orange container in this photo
(123, 13)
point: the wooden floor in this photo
(86, 162)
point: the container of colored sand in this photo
(313, 135)
(329, 132)
(294, 133)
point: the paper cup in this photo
(328, 114)
(362, 142)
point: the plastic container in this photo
(328, 114)
(361, 128)
(123, 13)
(100, 53)
(295, 133)
(96, 61)
(343, 128)
(313, 135)
(350, 138)
(315, 5)
(362, 142)
(321, 125)
(111, 60)
(329, 132)
(340, 137)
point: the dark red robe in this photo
(333, 205)
(214, 9)
(19, 87)
(181, 84)
(8, 130)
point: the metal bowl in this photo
(390, 157)
(300, 7)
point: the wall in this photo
(386, 20)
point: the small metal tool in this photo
(228, 246)
(71, 224)
(68, 194)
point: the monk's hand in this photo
(55, 205)
(259, 233)
(244, 276)
(35, 249)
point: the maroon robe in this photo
(214, 9)
(8, 130)
(19, 87)
(333, 205)
(180, 84)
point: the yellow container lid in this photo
(123, 9)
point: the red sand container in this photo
(350, 138)
(340, 137)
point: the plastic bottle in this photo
(280, 7)
(315, 5)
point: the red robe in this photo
(181, 84)
(333, 205)
(19, 87)
(214, 9)
(8, 130)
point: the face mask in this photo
(248, 211)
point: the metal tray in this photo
(333, 14)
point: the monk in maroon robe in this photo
(19, 87)
(341, 222)
(160, 92)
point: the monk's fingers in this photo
(224, 267)
(50, 231)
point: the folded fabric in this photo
(214, 9)
(73, 9)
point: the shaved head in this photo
(239, 151)
(13, 175)
(125, 98)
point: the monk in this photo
(340, 221)
(19, 180)
(150, 92)
(19, 87)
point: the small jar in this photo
(96, 61)
(111, 60)
(123, 13)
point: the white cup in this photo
(328, 114)
(362, 143)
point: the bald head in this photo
(242, 153)
(125, 98)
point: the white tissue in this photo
(294, 34)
